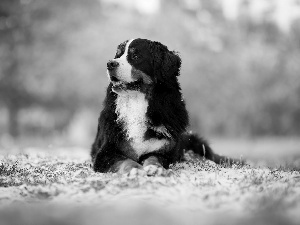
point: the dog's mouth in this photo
(118, 85)
(114, 79)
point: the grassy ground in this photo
(57, 186)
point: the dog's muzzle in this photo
(112, 64)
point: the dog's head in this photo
(140, 64)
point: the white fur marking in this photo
(124, 68)
(126, 50)
(131, 109)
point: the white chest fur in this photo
(131, 109)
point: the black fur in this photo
(166, 108)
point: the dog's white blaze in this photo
(131, 109)
(124, 68)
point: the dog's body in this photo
(144, 119)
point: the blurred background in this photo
(240, 74)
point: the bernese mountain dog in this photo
(143, 124)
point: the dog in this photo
(143, 125)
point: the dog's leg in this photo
(128, 166)
(153, 165)
(108, 159)
(152, 160)
(118, 164)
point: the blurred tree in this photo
(240, 76)
(14, 33)
(21, 35)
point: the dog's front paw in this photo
(126, 166)
(153, 170)
(134, 172)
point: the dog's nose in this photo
(112, 64)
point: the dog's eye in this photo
(134, 53)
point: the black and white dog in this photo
(144, 120)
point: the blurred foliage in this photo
(240, 77)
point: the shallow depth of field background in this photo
(240, 78)
(240, 68)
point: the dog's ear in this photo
(171, 64)
(166, 63)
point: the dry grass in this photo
(59, 187)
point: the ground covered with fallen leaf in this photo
(58, 186)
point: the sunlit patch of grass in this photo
(198, 187)
(12, 174)
(291, 164)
